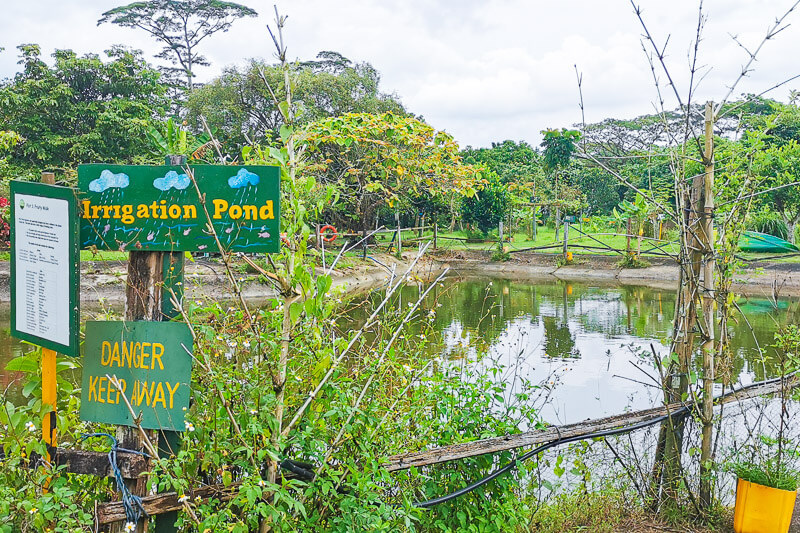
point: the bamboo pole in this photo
(708, 311)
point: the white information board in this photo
(42, 282)
(44, 266)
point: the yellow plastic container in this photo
(761, 509)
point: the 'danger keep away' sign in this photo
(153, 365)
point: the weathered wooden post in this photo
(435, 231)
(421, 225)
(151, 275)
(500, 233)
(399, 235)
(364, 243)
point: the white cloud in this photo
(483, 70)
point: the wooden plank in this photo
(131, 465)
(165, 502)
(540, 436)
(108, 513)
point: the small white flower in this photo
(246, 344)
(231, 309)
(253, 411)
(130, 526)
(407, 368)
(183, 499)
(184, 408)
(228, 356)
(262, 483)
(30, 426)
(410, 304)
(198, 302)
(232, 344)
(189, 426)
(219, 338)
(33, 510)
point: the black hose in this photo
(606, 433)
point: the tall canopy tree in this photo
(81, 109)
(181, 25)
(238, 106)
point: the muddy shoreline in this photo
(104, 281)
(760, 278)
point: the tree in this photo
(377, 160)
(780, 166)
(559, 145)
(81, 109)
(239, 107)
(488, 206)
(181, 25)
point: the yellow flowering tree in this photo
(383, 160)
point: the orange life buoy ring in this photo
(332, 236)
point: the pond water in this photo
(592, 345)
(588, 345)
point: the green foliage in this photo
(632, 260)
(180, 25)
(382, 160)
(239, 106)
(68, 504)
(81, 109)
(170, 138)
(600, 511)
(559, 145)
(488, 206)
(769, 222)
(769, 473)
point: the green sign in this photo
(158, 208)
(45, 263)
(153, 364)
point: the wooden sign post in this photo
(156, 214)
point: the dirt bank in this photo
(105, 280)
(758, 280)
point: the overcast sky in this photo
(482, 70)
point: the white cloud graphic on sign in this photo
(109, 180)
(172, 180)
(243, 178)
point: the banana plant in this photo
(637, 211)
(170, 138)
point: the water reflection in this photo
(590, 343)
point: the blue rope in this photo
(134, 510)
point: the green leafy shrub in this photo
(768, 222)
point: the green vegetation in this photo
(283, 382)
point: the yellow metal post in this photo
(49, 388)
(49, 397)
